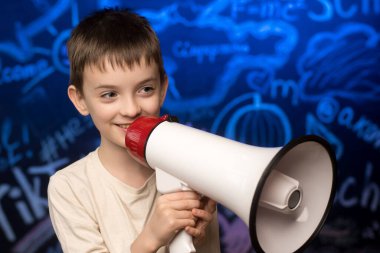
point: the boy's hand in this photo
(172, 213)
(204, 216)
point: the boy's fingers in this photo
(177, 205)
(210, 205)
(184, 215)
(182, 195)
(195, 232)
(184, 223)
(185, 204)
(202, 214)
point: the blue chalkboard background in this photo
(261, 72)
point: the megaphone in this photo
(283, 194)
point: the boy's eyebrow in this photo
(149, 79)
(104, 86)
(110, 86)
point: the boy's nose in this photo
(130, 108)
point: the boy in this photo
(107, 201)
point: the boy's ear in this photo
(164, 89)
(76, 98)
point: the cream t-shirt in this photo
(92, 211)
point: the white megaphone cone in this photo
(283, 194)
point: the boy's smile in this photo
(124, 126)
(115, 96)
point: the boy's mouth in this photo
(123, 126)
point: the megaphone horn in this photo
(283, 194)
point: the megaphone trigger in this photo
(167, 183)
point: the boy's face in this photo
(117, 96)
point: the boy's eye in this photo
(147, 89)
(110, 94)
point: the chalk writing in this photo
(365, 194)
(313, 126)
(341, 64)
(286, 88)
(27, 197)
(343, 9)
(293, 10)
(250, 110)
(22, 49)
(281, 36)
(327, 109)
(184, 49)
(59, 54)
(61, 138)
(286, 10)
(18, 73)
(364, 128)
(11, 148)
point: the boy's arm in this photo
(73, 225)
(171, 213)
(144, 244)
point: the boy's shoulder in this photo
(76, 171)
(74, 184)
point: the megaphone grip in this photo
(182, 243)
(166, 183)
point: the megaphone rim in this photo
(255, 201)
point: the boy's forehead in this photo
(111, 63)
(108, 72)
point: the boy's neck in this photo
(121, 165)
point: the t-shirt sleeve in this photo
(73, 221)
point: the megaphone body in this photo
(283, 194)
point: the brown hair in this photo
(120, 36)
